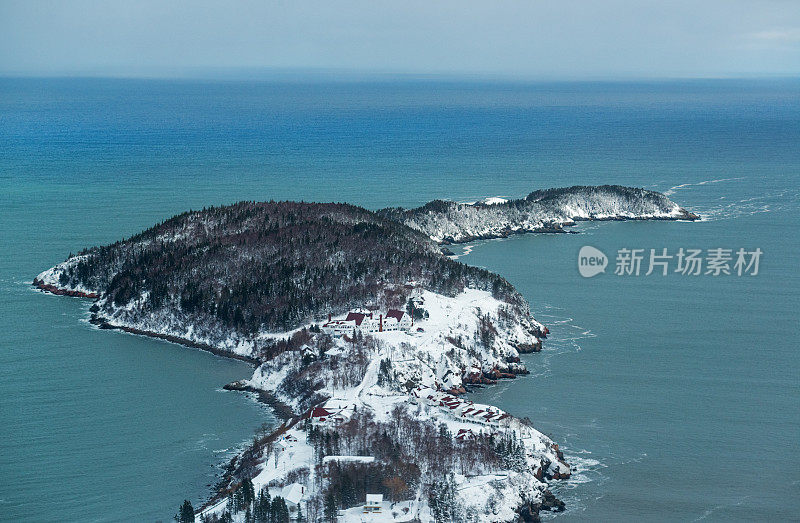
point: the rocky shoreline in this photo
(506, 233)
(529, 512)
(104, 324)
(279, 408)
(52, 289)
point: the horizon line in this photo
(312, 73)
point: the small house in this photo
(319, 414)
(373, 504)
(294, 495)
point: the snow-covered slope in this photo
(493, 200)
(541, 211)
(398, 386)
(469, 338)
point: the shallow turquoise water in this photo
(682, 392)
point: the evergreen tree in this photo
(443, 501)
(347, 491)
(330, 507)
(248, 492)
(279, 511)
(186, 513)
(261, 510)
(231, 503)
(238, 500)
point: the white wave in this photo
(586, 469)
(715, 508)
(786, 199)
(565, 335)
(465, 251)
(202, 442)
(672, 190)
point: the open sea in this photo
(677, 397)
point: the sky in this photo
(545, 39)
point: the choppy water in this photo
(676, 397)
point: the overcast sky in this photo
(547, 39)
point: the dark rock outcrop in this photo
(52, 289)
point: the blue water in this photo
(678, 398)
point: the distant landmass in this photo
(547, 210)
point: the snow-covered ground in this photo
(439, 351)
(493, 200)
(427, 365)
(419, 375)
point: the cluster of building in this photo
(363, 321)
(460, 408)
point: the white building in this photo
(404, 321)
(374, 503)
(340, 327)
(364, 321)
(294, 495)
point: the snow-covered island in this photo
(364, 337)
(547, 210)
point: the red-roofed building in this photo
(357, 317)
(465, 434)
(361, 320)
(404, 321)
(319, 413)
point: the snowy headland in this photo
(365, 337)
